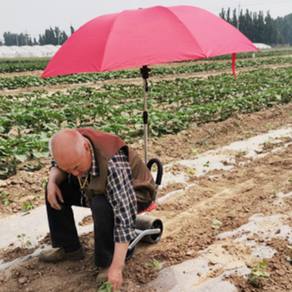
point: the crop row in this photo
(10, 66)
(31, 64)
(28, 120)
(32, 81)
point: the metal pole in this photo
(145, 74)
(145, 118)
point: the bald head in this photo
(69, 147)
(66, 140)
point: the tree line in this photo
(52, 36)
(260, 28)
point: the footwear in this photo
(56, 255)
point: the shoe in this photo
(56, 255)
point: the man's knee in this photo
(100, 206)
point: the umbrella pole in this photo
(145, 74)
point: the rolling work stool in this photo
(148, 229)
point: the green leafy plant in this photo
(207, 164)
(105, 286)
(154, 264)
(27, 206)
(195, 151)
(23, 243)
(28, 120)
(258, 273)
(6, 201)
(192, 171)
(289, 257)
(216, 224)
(237, 124)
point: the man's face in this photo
(76, 164)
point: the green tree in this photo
(284, 25)
(259, 28)
(14, 39)
(234, 20)
(72, 30)
(228, 18)
(222, 14)
(271, 33)
(53, 37)
(247, 26)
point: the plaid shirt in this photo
(120, 194)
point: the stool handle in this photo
(159, 169)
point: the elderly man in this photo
(91, 168)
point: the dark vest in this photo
(106, 146)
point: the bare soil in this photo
(231, 196)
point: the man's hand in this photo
(115, 272)
(115, 277)
(53, 194)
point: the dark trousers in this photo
(63, 229)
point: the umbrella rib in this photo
(107, 41)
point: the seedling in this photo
(105, 286)
(36, 198)
(183, 240)
(195, 151)
(191, 171)
(247, 133)
(23, 243)
(27, 206)
(268, 145)
(44, 183)
(154, 264)
(207, 164)
(3, 195)
(237, 124)
(216, 224)
(5, 200)
(289, 257)
(241, 153)
(258, 273)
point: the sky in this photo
(35, 16)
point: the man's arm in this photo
(115, 272)
(122, 197)
(56, 177)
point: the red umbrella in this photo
(144, 37)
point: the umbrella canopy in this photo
(144, 37)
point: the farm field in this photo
(225, 199)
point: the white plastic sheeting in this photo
(262, 46)
(50, 50)
(28, 51)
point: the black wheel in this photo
(145, 222)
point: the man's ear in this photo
(86, 146)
